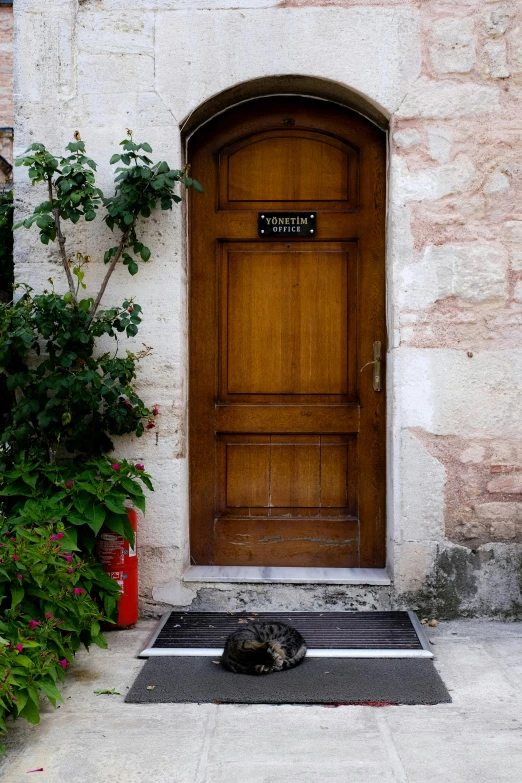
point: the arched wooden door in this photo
(286, 434)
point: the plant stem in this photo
(61, 242)
(116, 257)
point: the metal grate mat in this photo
(327, 634)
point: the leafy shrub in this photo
(81, 496)
(70, 397)
(63, 403)
(52, 601)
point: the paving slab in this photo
(100, 739)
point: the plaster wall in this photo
(448, 78)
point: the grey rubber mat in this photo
(315, 681)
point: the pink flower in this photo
(155, 410)
(15, 557)
(78, 590)
(116, 466)
(69, 484)
(48, 615)
(33, 624)
(68, 558)
(19, 647)
(139, 466)
(63, 663)
(69, 570)
(57, 537)
(128, 405)
(150, 425)
(19, 576)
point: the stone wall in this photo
(448, 78)
(6, 91)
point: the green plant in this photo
(52, 601)
(70, 397)
(141, 186)
(82, 497)
(64, 401)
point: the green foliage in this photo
(70, 397)
(61, 395)
(73, 192)
(140, 187)
(50, 604)
(82, 496)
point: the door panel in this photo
(286, 435)
(296, 171)
(287, 310)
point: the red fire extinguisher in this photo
(120, 562)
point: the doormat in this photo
(329, 681)
(327, 634)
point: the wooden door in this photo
(286, 434)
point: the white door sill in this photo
(290, 575)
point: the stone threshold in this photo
(290, 575)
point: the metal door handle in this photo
(377, 358)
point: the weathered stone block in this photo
(517, 294)
(453, 45)
(375, 50)
(497, 20)
(445, 392)
(434, 183)
(113, 33)
(416, 563)
(422, 507)
(510, 484)
(515, 50)
(446, 99)
(474, 272)
(497, 183)
(494, 60)
(409, 137)
(439, 143)
(512, 230)
(499, 511)
(114, 73)
(474, 454)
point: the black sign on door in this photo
(288, 224)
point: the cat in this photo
(263, 648)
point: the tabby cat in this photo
(262, 648)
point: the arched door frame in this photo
(317, 89)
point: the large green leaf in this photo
(131, 486)
(115, 504)
(95, 516)
(22, 696)
(31, 712)
(50, 689)
(17, 594)
(24, 660)
(139, 501)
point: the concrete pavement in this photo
(99, 739)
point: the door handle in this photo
(377, 359)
